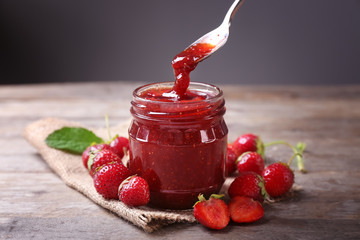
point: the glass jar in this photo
(179, 147)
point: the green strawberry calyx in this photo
(126, 181)
(260, 147)
(241, 156)
(92, 155)
(203, 199)
(261, 185)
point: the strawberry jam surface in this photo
(166, 95)
(179, 147)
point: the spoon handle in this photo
(232, 11)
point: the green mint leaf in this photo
(72, 139)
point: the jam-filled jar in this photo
(178, 146)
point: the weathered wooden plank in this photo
(71, 91)
(34, 202)
(106, 90)
(23, 163)
(325, 195)
(64, 108)
(111, 228)
(48, 202)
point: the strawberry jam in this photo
(178, 146)
(185, 62)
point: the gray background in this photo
(271, 42)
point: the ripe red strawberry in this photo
(93, 148)
(120, 145)
(248, 143)
(250, 162)
(245, 210)
(230, 165)
(212, 213)
(134, 191)
(248, 184)
(278, 178)
(102, 157)
(108, 179)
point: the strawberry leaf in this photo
(72, 139)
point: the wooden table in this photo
(35, 203)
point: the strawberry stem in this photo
(298, 151)
(301, 148)
(293, 156)
(280, 142)
(107, 126)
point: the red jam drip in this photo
(184, 63)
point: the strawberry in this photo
(245, 210)
(134, 191)
(108, 179)
(250, 162)
(279, 178)
(212, 213)
(248, 143)
(120, 145)
(248, 184)
(99, 158)
(87, 152)
(230, 166)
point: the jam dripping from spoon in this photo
(186, 61)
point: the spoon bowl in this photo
(218, 37)
(187, 60)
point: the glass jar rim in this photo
(192, 86)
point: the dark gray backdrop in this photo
(271, 42)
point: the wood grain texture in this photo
(36, 204)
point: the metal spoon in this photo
(219, 35)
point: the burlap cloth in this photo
(70, 169)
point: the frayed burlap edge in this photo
(70, 169)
